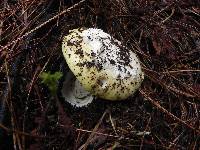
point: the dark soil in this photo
(163, 114)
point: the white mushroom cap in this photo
(103, 66)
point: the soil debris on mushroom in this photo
(103, 66)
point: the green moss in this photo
(51, 80)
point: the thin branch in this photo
(157, 105)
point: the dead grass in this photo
(163, 114)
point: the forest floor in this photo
(163, 114)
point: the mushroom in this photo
(103, 66)
(74, 93)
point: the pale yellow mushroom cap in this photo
(103, 66)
